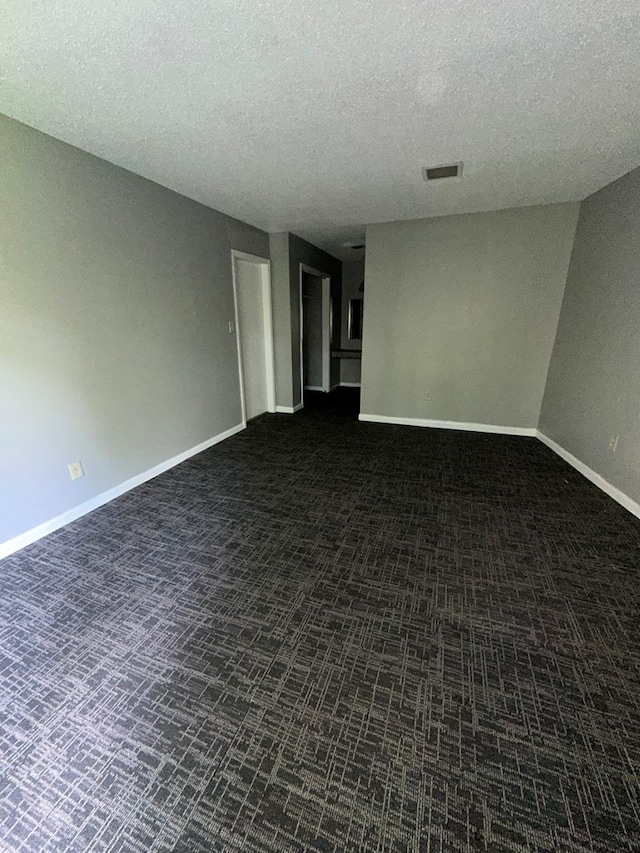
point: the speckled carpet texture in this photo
(322, 635)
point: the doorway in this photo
(254, 333)
(315, 330)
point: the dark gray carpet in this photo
(329, 636)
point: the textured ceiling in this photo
(316, 117)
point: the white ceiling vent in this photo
(437, 173)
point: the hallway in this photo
(341, 403)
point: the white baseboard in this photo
(313, 388)
(289, 410)
(350, 385)
(333, 387)
(461, 425)
(599, 481)
(30, 536)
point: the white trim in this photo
(243, 406)
(30, 536)
(318, 273)
(300, 271)
(289, 410)
(461, 425)
(350, 384)
(321, 388)
(599, 481)
(269, 346)
(265, 271)
(245, 256)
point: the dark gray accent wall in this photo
(287, 253)
(115, 298)
(593, 385)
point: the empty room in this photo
(320, 427)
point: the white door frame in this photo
(265, 265)
(326, 329)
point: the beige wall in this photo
(115, 295)
(593, 387)
(466, 308)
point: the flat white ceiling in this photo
(316, 116)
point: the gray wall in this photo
(115, 295)
(593, 387)
(352, 277)
(281, 307)
(464, 307)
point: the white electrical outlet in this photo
(427, 395)
(232, 327)
(75, 470)
(613, 443)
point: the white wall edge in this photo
(289, 410)
(461, 425)
(599, 481)
(350, 385)
(42, 530)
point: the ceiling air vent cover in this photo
(436, 173)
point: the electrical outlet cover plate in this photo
(75, 470)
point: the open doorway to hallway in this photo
(316, 333)
(340, 403)
(327, 354)
(353, 320)
(316, 328)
